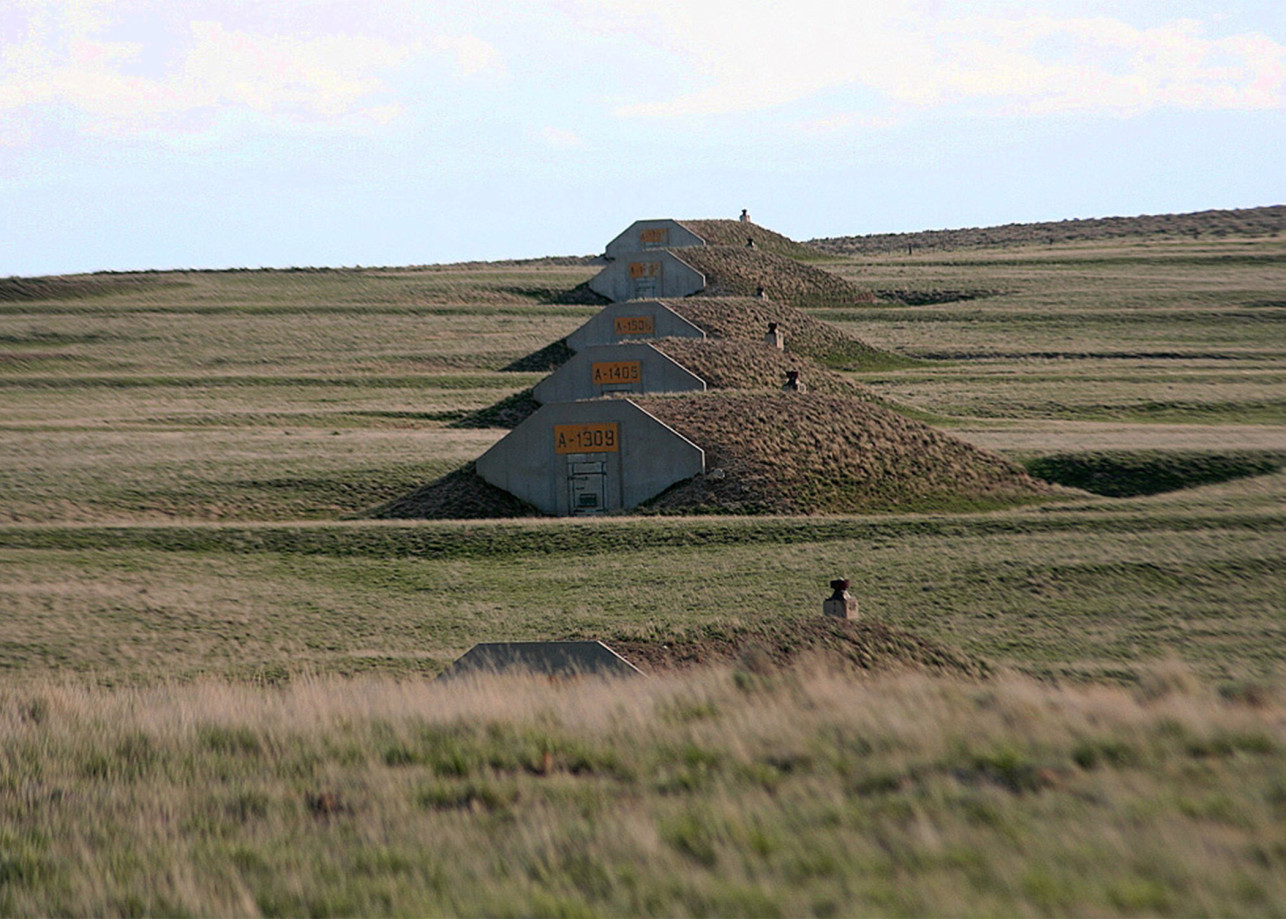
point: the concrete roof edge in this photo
(699, 272)
(644, 411)
(684, 224)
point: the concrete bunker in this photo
(602, 370)
(637, 320)
(638, 275)
(583, 458)
(645, 235)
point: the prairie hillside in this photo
(215, 665)
(1247, 222)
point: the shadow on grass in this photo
(1127, 474)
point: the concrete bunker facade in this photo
(654, 273)
(601, 370)
(632, 321)
(646, 235)
(581, 458)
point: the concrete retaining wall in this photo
(645, 235)
(636, 320)
(639, 275)
(602, 369)
(589, 457)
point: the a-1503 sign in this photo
(587, 438)
(645, 269)
(611, 373)
(633, 325)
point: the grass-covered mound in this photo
(458, 495)
(1127, 473)
(738, 271)
(725, 364)
(747, 318)
(767, 647)
(812, 453)
(1247, 222)
(736, 233)
(84, 286)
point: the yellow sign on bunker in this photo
(612, 373)
(587, 438)
(645, 269)
(633, 325)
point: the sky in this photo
(141, 134)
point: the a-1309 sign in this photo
(587, 438)
(613, 373)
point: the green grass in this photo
(202, 644)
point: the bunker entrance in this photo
(645, 280)
(587, 484)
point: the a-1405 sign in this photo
(633, 325)
(612, 373)
(587, 438)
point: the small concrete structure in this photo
(840, 604)
(575, 458)
(562, 659)
(773, 338)
(636, 320)
(645, 235)
(601, 370)
(656, 273)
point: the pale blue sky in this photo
(217, 133)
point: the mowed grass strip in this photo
(1089, 593)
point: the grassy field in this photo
(212, 667)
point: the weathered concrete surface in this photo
(645, 235)
(590, 457)
(635, 320)
(638, 275)
(543, 658)
(603, 369)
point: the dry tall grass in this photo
(720, 792)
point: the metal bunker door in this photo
(587, 486)
(587, 450)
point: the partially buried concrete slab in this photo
(562, 659)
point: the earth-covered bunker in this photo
(638, 275)
(645, 235)
(573, 458)
(601, 370)
(636, 320)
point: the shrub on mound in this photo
(732, 271)
(810, 453)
